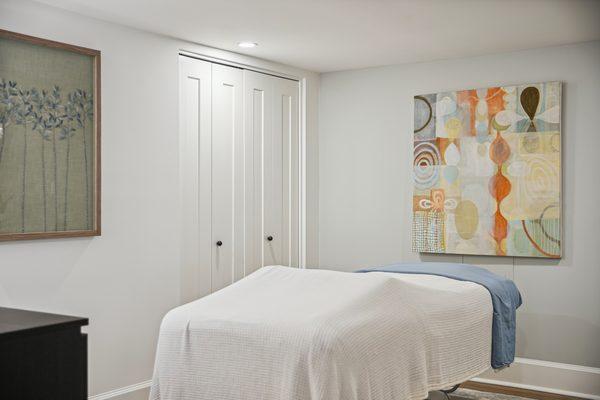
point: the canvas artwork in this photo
(487, 171)
(49, 139)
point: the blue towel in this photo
(505, 300)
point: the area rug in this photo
(467, 394)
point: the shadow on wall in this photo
(541, 262)
(492, 260)
(451, 258)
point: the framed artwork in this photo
(49, 139)
(487, 171)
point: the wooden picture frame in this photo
(64, 199)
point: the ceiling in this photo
(330, 35)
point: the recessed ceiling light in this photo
(247, 45)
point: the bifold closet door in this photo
(227, 176)
(239, 174)
(212, 176)
(273, 140)
(195, 114)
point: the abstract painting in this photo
(487, 171)
(49, 139)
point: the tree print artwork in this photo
(53, 120)
(49, 155)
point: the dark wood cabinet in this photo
(42, 356)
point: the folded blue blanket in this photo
(505, 300)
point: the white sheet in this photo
(291, 334)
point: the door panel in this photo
(195, 175)
(286, 129)
(273, 188)
(227, 176)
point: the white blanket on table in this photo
(291, 334)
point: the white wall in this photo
(125, 280)
(365, 146)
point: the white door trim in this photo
(302, 99)
(250, 67)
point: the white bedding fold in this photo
(284, 333)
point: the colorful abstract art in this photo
(487, 171)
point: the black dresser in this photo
(42, 356)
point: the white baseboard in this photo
(544, 376)
(537, 388)
(547, 376)
(121, 391)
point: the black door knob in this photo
(219, 243)
(270, 238)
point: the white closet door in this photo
(272, 210)
(227, 176)
(239, 174)
(195, 169)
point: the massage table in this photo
(304, 334)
